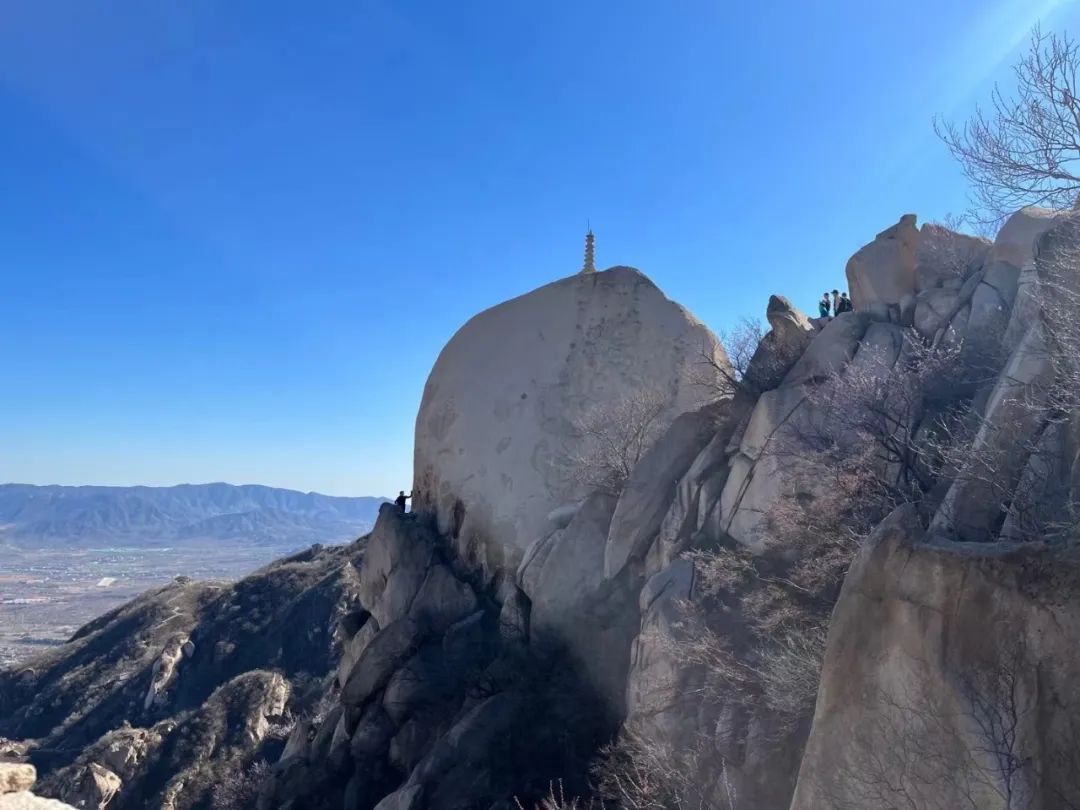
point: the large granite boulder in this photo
(693, 517)
(499, 405)
(781, 346)
(884, 272)
(400, 550)
(567, 565)
(1055, 237)
(950, 679)
(945, 256)
(1016, 241)
(648, 493)
(391, 648)
(575, 611)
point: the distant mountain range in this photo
(79, 516)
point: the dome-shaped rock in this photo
(499, 407)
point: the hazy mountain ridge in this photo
(58, 515)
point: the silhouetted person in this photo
(845, 304)
(823, 306)
(835, 302)
(400, 500)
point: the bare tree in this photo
(881, 414)
(906, 754)
(757, 360)
(921, 748)
(1026, 149)
(947, 250)
(724, 376)
(995, 705)
(610, 438)
(637, 773)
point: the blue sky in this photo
(235, 234)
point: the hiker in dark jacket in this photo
(845, 304)
(400, 500)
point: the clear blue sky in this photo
(235, 234)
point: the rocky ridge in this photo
(676, 626)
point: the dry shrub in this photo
(609, 439)
(868, 460)
(635, 773)
(239, 789)
(557, 799)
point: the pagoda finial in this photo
(590, 252)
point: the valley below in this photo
(46, 594)
(70, 554)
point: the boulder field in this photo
(718, 630)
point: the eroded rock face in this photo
(498, 405)
(571, 602)
(885, 271)
(95, 787)
(931, 647)
(769, 464)
(1013, 417)
(660, 702)
(647, 496)
(944, 257)
(781, 347)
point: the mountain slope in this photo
(57, 515)
(171, 692)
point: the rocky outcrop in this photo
(790, 333)
(884, 272)
(1013, 416)
(647, 496)
(202, 650)
(441, 703)
(178, 763)
(16, 776)
(945, 257)
(499, 405)
(16, 780)
(94, 787)
(769, 463)
(916, 693)
(498, 638)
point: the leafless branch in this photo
(1024, 150)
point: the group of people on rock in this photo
(839, 304)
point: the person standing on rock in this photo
(400, 500)
(845, 304)
(835, 302)
(823, 306)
